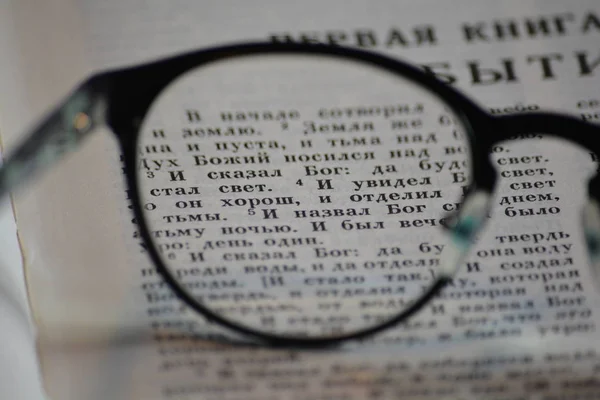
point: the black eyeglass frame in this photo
(121, 98)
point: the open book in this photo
(520, 322)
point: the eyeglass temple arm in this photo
(59, 132)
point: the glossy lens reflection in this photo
(300, 194)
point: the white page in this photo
(19, 369)
(79, 297)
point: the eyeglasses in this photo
(301, 194)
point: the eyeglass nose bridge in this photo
(469, 221)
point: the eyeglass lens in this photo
(296, 194)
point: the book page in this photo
(519, 320)
(19, 369)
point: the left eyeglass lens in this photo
(300, 194)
